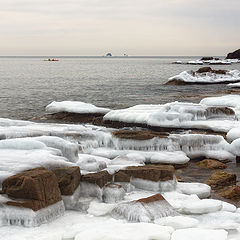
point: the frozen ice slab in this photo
(207, 77)
(233, 134)
(160, 186)
(202, 206)
(75, 107)
(179, 200)
(26, 217)
(219, 220)
(200, 189)
(228, 207)
(126, 231)
(234, 85)
(100, 209)
(199, 234)
(178, 222)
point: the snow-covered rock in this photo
(75, 107)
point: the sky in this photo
(134, 27)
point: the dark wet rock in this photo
(177, 82)
(138, 135)
(232, 193)
(221, 179)
(68, 179)
(35, 189)
(234, 55)
(150, 172)
(153, 198)
(206, 58)
(68, 117)
(99, 178)
(211, 164)
(208, 69)
(218, 111)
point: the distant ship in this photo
(51, 60)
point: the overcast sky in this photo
(135, 27)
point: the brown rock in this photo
(38, 188)
(138, 135)
(68, 179)
(204, 69)
(234, 55)
(121, 177)
(69, 117)
(211, 164)
(99, 178)
(221, 179)
(150, 172)
(153, 198)
(232, 193)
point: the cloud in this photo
(140, 27)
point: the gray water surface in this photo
(28, 84)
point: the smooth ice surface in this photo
(199, 234)
(202, 206)
(113, 194)
(139, 231)
(200, 189)
(178, 222)
(75, 107)
(208, 77)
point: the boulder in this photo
(234, 55)
(121, 177)
(138, 135)
(211, 164)
(35, 189)
(221, 179)
(149, 172)
(99, 178)
(68, 179)
(204, 69)
(232, 193)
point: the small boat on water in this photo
(51, 60)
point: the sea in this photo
(28, 84)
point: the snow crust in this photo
(199, 234)
(75, 107)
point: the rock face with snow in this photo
(205, 75)
(234, 55)
(68, 179)
(144, 209)
(221, 179)
(37, 187)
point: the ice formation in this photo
(75, 107)
(175, 115)
(113, 193)
(10, 215)
(143, 212)
(207, 77)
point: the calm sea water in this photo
(28, 84)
